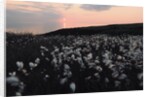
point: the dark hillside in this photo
(117, 29)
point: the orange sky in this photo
(39, 17)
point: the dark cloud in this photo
(95, 7)
(44, 21)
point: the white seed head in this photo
(47, 76)
(47, 59)
(122, 76)
(72, 87)
(37, 60)
(12, 80)
(63, 81)
(140, 76)
(66, 67)
(44, 48)
(99, 68)
(20, 65)
(90, 56)
(18, 94)
(115, 74)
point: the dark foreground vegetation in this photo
(74, 63)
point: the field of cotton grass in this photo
(58, 64)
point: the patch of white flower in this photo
(20, 65)
(32, 65)
(72, 87)
(44, 48)
(47, 59)
(37, 60)
(63, 81)
(12, 73)
(13, 81)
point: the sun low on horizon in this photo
(42, 17)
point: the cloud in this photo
(44, 21)
(68, 6)
(34, 16)
(95, 7)
(36, 6)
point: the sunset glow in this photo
(40, 17)
(64, 22)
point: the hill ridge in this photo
(113, 29)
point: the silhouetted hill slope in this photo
(117, 29)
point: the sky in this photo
(43, 17)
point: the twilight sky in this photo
(42, 17)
